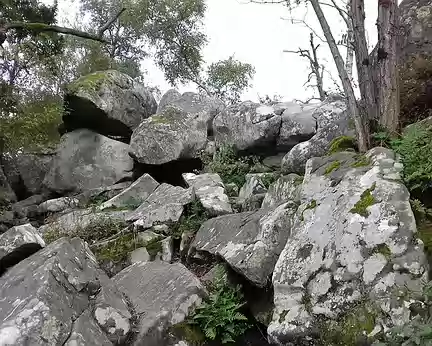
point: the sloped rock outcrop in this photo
(87, 160)
(286, 188)
(354, 244)
(108, 102)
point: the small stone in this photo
(139, 255)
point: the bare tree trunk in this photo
(316, 68)
(349, 61)
(353, 109)
(388, 91)
(364, 67)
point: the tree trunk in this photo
(349, 61)
(388, 91)
(353, 109)
(316, 68)
(364, 67)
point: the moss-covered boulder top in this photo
(108, 102)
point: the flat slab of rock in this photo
(249, 242)
(108, 102)
(49, 298)
(134, 195)
(210, 190)
(18, 243)
(164, 205)
(354, 242)
(162, 295)
(58, 204)
(87, 160)
(286, 188)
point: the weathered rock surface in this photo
(108, 102)
(210, 191)
(333, 122)
(58, 204)
(48, 299)
(18, 243)
(87, 160)
(246, 126)
(249, 242)
(286, 188)
(32, 169)
(252, 192)
(164, 205)
(178, 131)
(134, 195)
(353, 242)
(162, 295)
(7, 195)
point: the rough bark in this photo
(388, 91)
(349, 61)
(364, 67)
(359, 121)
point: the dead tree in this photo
(316, 69)
(42, 27)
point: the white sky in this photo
(257, 34)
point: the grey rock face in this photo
(210, 191)
(246, 126)
(252, 192)
(164, 205)
(333, 122)
(135, 194)
(108, 102)
(249, 242)
(87, 160)
(286, 188)
(162, 295)
(58, 204)
(7, 195)
(353, 242)
(48, 299)
(32, 169)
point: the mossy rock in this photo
(332, 167)
(89, 83)
(342, 143)
(119, 249)
(366, 200)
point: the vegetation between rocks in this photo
(342, 143)
(190, 222)
(332, 167)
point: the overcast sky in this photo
(257, 34)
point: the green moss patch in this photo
(159, 119)
(119, 249)
(332, 167)
(88, 83)
(383, 249)
(342, 143)
(366, 200)
(361, 161)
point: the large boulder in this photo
(7, 195)
(32, 168)
(59, 296)
(179, 130)
(247, 126)
(108, 102)
(161, 295)
(333, 122)
(286, 188)
(353, 250)
(87, 160)
(210, 190)
(249, 242)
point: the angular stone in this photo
(247, 125)
(161, 294)
(58, 204)
(44, 296)
(139, 255)
(286, 188)
(249, 242)
(17, 244)
(87, 160)
(32, 169)
(108, 102)
(353, 221)
(134, 195)
(167, 249)
(253, 187)
(210, 191)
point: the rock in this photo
(246, 126)
(168, 98)
(134, 195)
(210, 191)
(299, 124)
(148, 236)
(167, 249)
(87, 160)
(17, 244)
(139, 255)
(108, 102)
(334, 124)
(286, 188)
(7, 195)
(415, 16)
(164, 205)
(232, 190)
(273, 162)
(61, 290)
(355, 223)
(162, 295)
(79, 220)
(249, 242)
(100, 194)
(7, 220)
(58, 204)
(32, 169)
(252, 192)
(28, 207)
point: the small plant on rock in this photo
(194, 216)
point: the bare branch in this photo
(107, 25)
